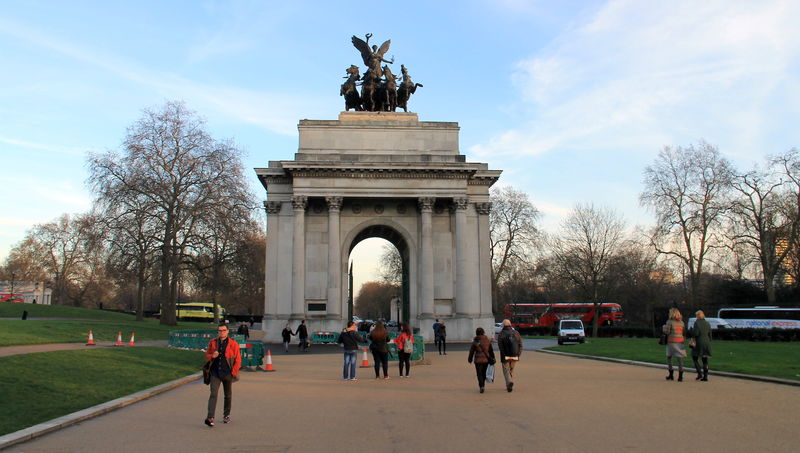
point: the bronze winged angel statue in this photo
(379, 88)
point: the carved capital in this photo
(426, 204)
(299, 202)
(460, 203)
(334, 204)
(483, 208)
(273, 207)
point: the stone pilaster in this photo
(299, 204)
(464, 299)
(484, 248)
(426, 258)
(334, 305)
(272, 208)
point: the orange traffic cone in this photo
(130, 343)
(268, 362)
(364, 360)
(91, 339)
(119, 339)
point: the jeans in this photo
(349, 369)
(404, 359)
(508, 371)
(441, 344)
(227, 385)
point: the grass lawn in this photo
(75, 329)
(780, 360)
(38, 387)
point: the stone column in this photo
(334, 305)
(273, 208)
(299, 204)
(463, 298)
(484, 257)
(426, 259)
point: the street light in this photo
(13, 276)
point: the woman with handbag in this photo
(701, 344)
(405, 347)
(380, 349)
(674, 329)
(225, 360)
(483, 355)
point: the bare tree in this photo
(173, 163)
(390, 265)
(761, 222)
(688, 190)
(513, 234)
(588, 240)
(374, 299)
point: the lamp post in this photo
(13, 276)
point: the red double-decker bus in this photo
(8, 297)
(526, 316)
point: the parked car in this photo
(716, 323)
(571, 330)
(498, 326)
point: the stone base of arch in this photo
(378, 175)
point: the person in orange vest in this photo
(227, 360)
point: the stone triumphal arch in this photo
(388, 175)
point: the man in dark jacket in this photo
(302, 334)
(350, 339)
(509, 343)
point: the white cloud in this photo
(642, 74)
(72, 151)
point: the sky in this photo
(571, 99)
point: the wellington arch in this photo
(378, 174)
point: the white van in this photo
(716, 323)
(571, 330)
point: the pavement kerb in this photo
(91, 412)
(749, 377)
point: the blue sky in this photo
(572, 99)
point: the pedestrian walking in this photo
(350, 339)
(379, 338)
(440, 336)
(509, 342)
(701, 344)
(226, 361)
(302, 334)
(405, 347)
(482, 354)
(674, 330)
(244, 331)
(286, 334)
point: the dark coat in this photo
(350, 339)
(701, 333)
(302, 331)
(481, 350)
(379, 344)
(515, 336)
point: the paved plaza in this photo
(559, 404)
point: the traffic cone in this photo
(364, 360)
(119, 339)
(130, 343)
(268, 362)
(91, 339)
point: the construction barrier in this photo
(324, 337)
(197, 338)
(252, 354)
(419, 348)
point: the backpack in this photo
(408, 345)
(510, 344)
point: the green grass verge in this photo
(14, 332)
(780, 360)
(12, 310)
(35, 388)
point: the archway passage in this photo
(390, 235)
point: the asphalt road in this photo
(559, 404)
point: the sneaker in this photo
(510, 387)
(353, 379)
(227, 419)
(481, 389)
(209, 421)
(386, 377)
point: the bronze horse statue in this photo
(407, 88)
(349, 90)
(370, 87)
(388, 91)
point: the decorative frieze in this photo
(273, 207)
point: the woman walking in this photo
(675, 342)
(380, 349)
(350, 340)
(482, 353)
(287, 333)
(405, 347)
(223, 352)
(701, 337)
